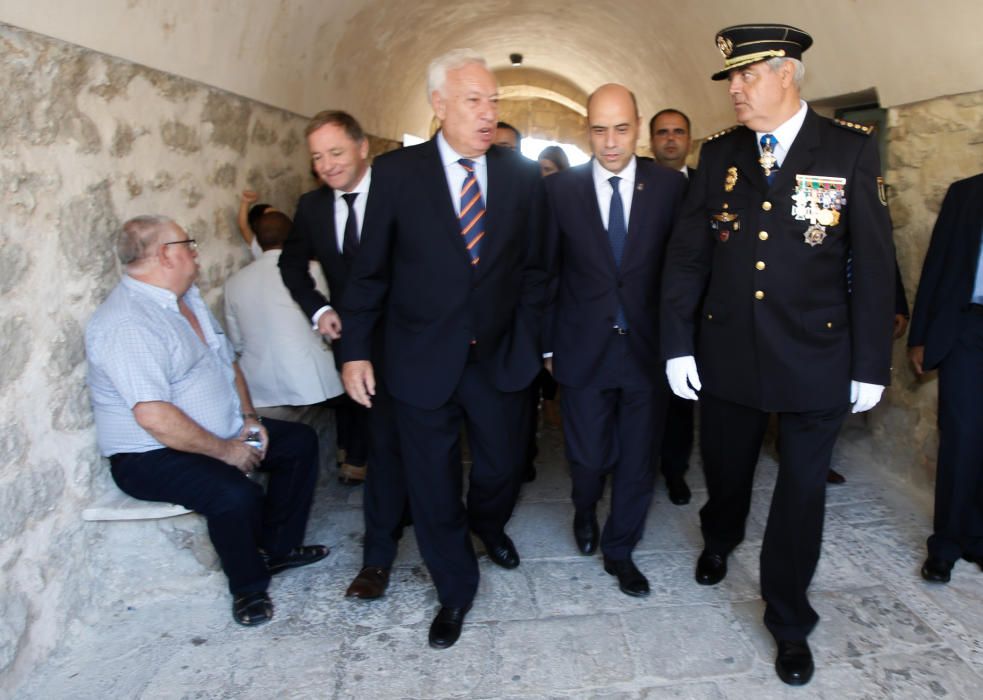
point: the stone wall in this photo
(87, 141)
(545, 119)
(931, 144)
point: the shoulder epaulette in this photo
(711, 137)
(854, 126)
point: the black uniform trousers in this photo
(958, 524)
(613, 427)
(430, 443)
(384, 501)
(730, 441)
(677, 441)
(242, 519)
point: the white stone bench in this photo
(116, 505)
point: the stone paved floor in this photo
(557, 627)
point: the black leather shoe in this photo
(502, 551)
(446, 627)
(794, 662)
(834, 477)
(710, 568)
(679, 492)
(631, 581)
(586, 531)
(936, 570)
(529, 473)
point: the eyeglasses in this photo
(192, 243)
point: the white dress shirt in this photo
(456, 173)
(626, 188)
(785, 133)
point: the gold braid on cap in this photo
(753, 57)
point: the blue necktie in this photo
(768, 159)
(472, 212)
(617, 232)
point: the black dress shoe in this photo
(794, 662)
(936, 569)
(446, 627)
(710, 568)
(631, 581)
(679, 492)
(834, 477)
(586, 531)
(529, 473)
(501, 551)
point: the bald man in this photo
(609, 222)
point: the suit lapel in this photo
(434, 181)
(746, 159)
(638, 220)
(498, 198)
(332, 236)
(801, 155)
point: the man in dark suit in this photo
(947, 332)
(609, 221)
(755, 295)
(327, 227)
(669, 139)
(450, 262)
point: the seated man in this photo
(173, 410)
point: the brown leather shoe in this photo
(350, 475)
(371, 582)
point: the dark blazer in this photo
(586, 285)
(413, 270)
(798, 346)
(313, 237)
(945, 289)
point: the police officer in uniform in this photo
(761, 314)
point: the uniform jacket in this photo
(414, 272)
(586, 286)
(945, 289)
(778, 326)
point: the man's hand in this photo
(250, 424)
(359, 380)
(684, 380)
(916, 353)
(243, 457)
(548, 364)
(864, 396)
(900, 325)
(329, 324)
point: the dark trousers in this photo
(730, 440)
(958, 525)
(352, 421)
(430, 441)
(677, 440)
(241, 518)
(610, 428)
(384, 500)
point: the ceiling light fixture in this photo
(516, 59)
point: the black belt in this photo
(620, 331)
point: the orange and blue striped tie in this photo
(472, 215)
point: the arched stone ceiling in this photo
(370, 56)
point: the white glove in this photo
(682, 375)
(864, 396)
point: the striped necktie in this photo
(472, 215)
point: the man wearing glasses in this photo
(174, 417)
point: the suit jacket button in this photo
(763, 235)
(709, 317)
(759, 295)
(829, 324)
(766, 205)
(760, 265)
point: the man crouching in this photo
(173, 414)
